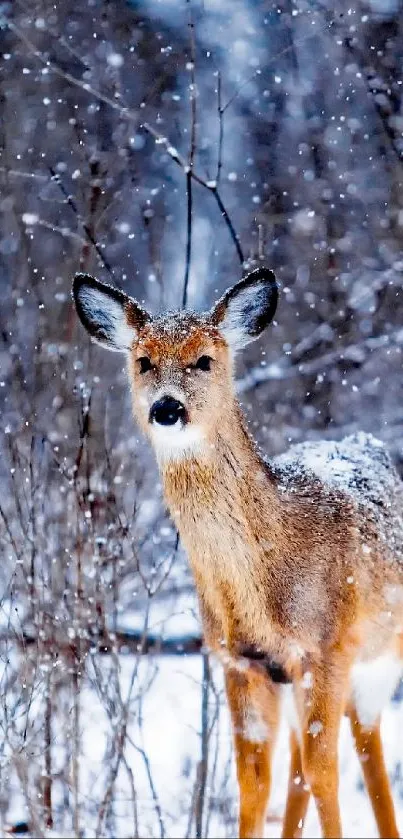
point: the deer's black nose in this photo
(167, 411)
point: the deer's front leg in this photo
(254, 706)
(320, 709)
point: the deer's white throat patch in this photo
(177, 442)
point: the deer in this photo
(297, 560)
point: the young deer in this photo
(298, 563)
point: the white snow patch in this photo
(115, 59)
(255, 728)
(315, 728)
(289, 707)
(307, 680)
(30, 218)
(361, 469)
(373, 684)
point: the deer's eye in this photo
(203, 363)
(144, 364)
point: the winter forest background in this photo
(158, 144)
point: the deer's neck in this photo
(227, 510)
(225, 491)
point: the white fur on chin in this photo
(177, 442)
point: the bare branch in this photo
(275, 58)
(352, 354)
(210, 185)
(126, 112)
(192, 151)
(88, 232)
(126, 641)
(203, 765)
(16, 173)
(220, 112)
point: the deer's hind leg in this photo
(298, 793)
(254, 704)
(369, 749)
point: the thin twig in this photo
(10, 533)
(353, 48)
(133, 116)
(203, 765)
(127, 112)
(193, 104)
(63, 231)
(210, 185)
(274, 59)
(17, 173)
(220, 112)
(155, 798)
(192, 151)
(47, 783)
(228, 222)
(32, 520)
(105, 803)
(71, 203)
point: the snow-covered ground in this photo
(154, 788)
(163, 748)
(171, 724)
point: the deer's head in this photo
(180, 363)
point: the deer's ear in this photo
(111, 317)
(244, 311)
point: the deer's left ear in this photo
(245, 310)
(111, 317)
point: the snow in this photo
(255, 728)
(373, 684)
(30, 218)
(170, 737)
(360, 467)
(315, 728)
(335, 462)
(115, 59)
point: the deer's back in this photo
(361, 471)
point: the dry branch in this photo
(125, 641)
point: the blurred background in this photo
(168, 146)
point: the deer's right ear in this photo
(111, 317)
